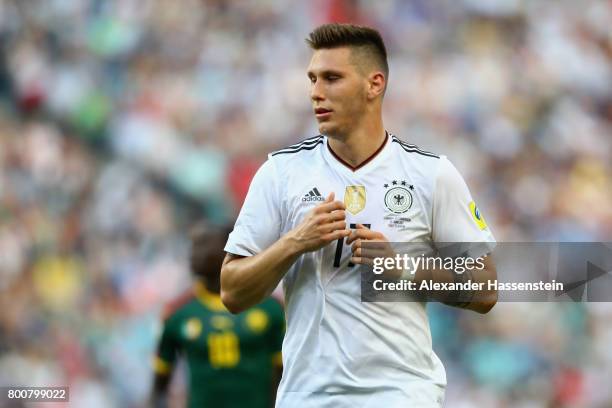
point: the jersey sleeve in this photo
(167, 350)
(455, 216)
(259, 223)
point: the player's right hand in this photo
(324, 224)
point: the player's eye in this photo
(332, 78)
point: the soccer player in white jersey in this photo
(308, 211)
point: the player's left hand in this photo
(377, 245)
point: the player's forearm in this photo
(247, 281)
(480, 301)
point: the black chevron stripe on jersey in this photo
(309, 139)
(417, 151)
(410, 148)
(410, 145)
(307, 144)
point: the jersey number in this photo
(223, 350)
(340, 245)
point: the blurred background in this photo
(123, 122)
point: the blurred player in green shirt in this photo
(233, 360)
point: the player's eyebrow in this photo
(312, 72)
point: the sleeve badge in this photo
(477, 216)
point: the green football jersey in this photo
(231, 358)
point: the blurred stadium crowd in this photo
(124, 122)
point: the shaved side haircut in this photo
(366, 43)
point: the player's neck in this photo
(212, 286)
(359, 145)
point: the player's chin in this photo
(326, 128)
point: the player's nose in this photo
(316, 92)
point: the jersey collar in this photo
(364, 166)
(209, 299)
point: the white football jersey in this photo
(339, 351)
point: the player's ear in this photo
(376, 84)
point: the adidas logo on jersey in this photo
(313, 195)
